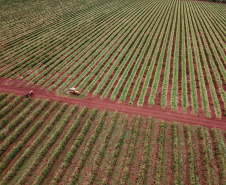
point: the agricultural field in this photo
(48, 142)
(168, 55)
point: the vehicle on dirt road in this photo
(29, 94)
(73, 91)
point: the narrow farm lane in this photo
(91, 102)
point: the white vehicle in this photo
(72, 89)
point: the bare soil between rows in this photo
(11, 86)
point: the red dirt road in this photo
(91, 102)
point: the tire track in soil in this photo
(96, 102)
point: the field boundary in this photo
(92, 102)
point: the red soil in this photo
(92, 102)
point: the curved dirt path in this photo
(92, 102)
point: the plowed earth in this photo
(11, 86)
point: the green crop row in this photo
(92, 35)
(167, 68)
(158, 166)
(130, 152)
(219, 155)
(209, 76)
(30, 150)
(117, 44)
(111, 33)
(157, 28)
(58, 175)
(10, 155)
(159, 56)
(103, 148)
(70, 30)
(12, 125)
(115, 154)
(175, 157)
(6, 100)
(88, 148)
(44, 150)
(62, 144)
(197, 62)
(10, 106)
(144, 161)
(147, 53)
(14, 112)
(141, 41)
(190, 65)
(204, 153)
(121, 57)
(190, 155)
(3, 95)
(174, 90)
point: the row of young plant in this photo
(197, 62)
(45, 18)
(79, 69)
(157, 30)
(149, 46)
(175, 154)
(36, 161)
(78, 45)
(209, 76)
(144, 63)
(219, 155)
(175, 54)
(204, 154)
(190, 63)
(48, 166)
(130, 153)
(168, 59)
(128, 30)
(184, 64)
(145, 159)
(214, 47)
(45, 153)
(190, 155)
(106, 83)
(13, 112)
(102, 150)
(121, 58)
(88, 148)
(137, 57)
(218, 51)
(72, 32)
(30, 150)
(159, 56)
(12, 137)
(10, 106)
(21, 117)
(59, 173)
(5, 100)
(129, 59)
(202, 150)
(115, 154)
(210, 59)
(90, 54)
(158, 166)
(50, 31)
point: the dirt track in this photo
(92, 102)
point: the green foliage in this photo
(130, 153)
(88, 148)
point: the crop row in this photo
(129, 54)
(63, 140)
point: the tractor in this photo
(73, 91)
(29, 94)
